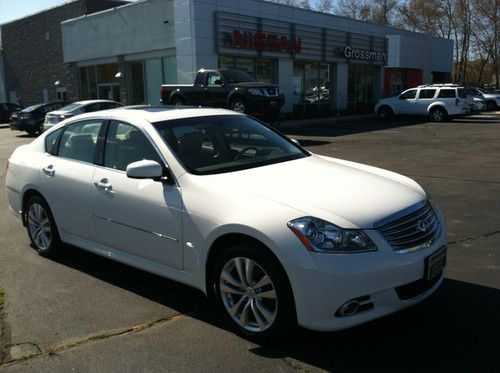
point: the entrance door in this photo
(108, 91)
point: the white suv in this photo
(437, 101)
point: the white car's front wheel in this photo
(252, 292)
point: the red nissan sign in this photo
(265, 42)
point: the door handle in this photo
(103, 184)
(49, 170)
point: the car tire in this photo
(438, 115)
(239, 105)
(252, 293)
(31, 132)
(491, 105)
(177, 101)
(42, 229)
(385, 113)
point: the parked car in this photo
(227, 88)
(31, 119)
(478, 104)
(218, 201)
(6, 109)
(438, 102)
(77, 108)
(491, 99)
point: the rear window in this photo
(446, 93)
(427, 93)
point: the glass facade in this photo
(312, 83)
(144, 78)
(99, 82)
(263, 69)
(362, 83)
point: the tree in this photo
(382, 12)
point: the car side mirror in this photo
(218, 82)
(401, 97)
(145, 169)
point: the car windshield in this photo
(225, 143)
(237, 76)
(31, 108)
(70, 107)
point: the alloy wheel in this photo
(239, 107)
(248, 294)
(39, 227)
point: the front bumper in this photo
(262, 105)
(381, 279)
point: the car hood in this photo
(347, 194)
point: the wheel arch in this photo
(235, 94)
(177, 93)
(436, 105)
(27, 194)
(226, 240)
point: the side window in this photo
(126, 144)
(426, 93)
(212, 78)
(79, 140)
(92, 107)
(51, 140)
(408, 95)
(446, 93)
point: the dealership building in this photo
(125, 53)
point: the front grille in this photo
(415, 230)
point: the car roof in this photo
(86, 102)
(156, 114)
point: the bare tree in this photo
(377, 11)
(324, 6)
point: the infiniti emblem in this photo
(422, 225)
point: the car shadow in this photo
(457, 329)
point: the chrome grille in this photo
(413, 231)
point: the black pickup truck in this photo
(233, 89)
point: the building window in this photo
(99, 82)
(264, 70)
(312, 83)
(361, 86)
(136, 82)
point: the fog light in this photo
(349, 308)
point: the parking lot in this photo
(87, 313)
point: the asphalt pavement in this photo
(84, 313)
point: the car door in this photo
(215, 94)
(141, 217)
(67, 173)
(406, 103)
(425, 98)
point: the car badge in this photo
(422, 226)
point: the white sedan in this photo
(216, 200)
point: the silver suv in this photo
(438, 102)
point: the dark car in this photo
(227, 88)
(31, 119)
(6, 109)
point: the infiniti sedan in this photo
(214, 199)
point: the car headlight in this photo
(256, 91)
(321, 236)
